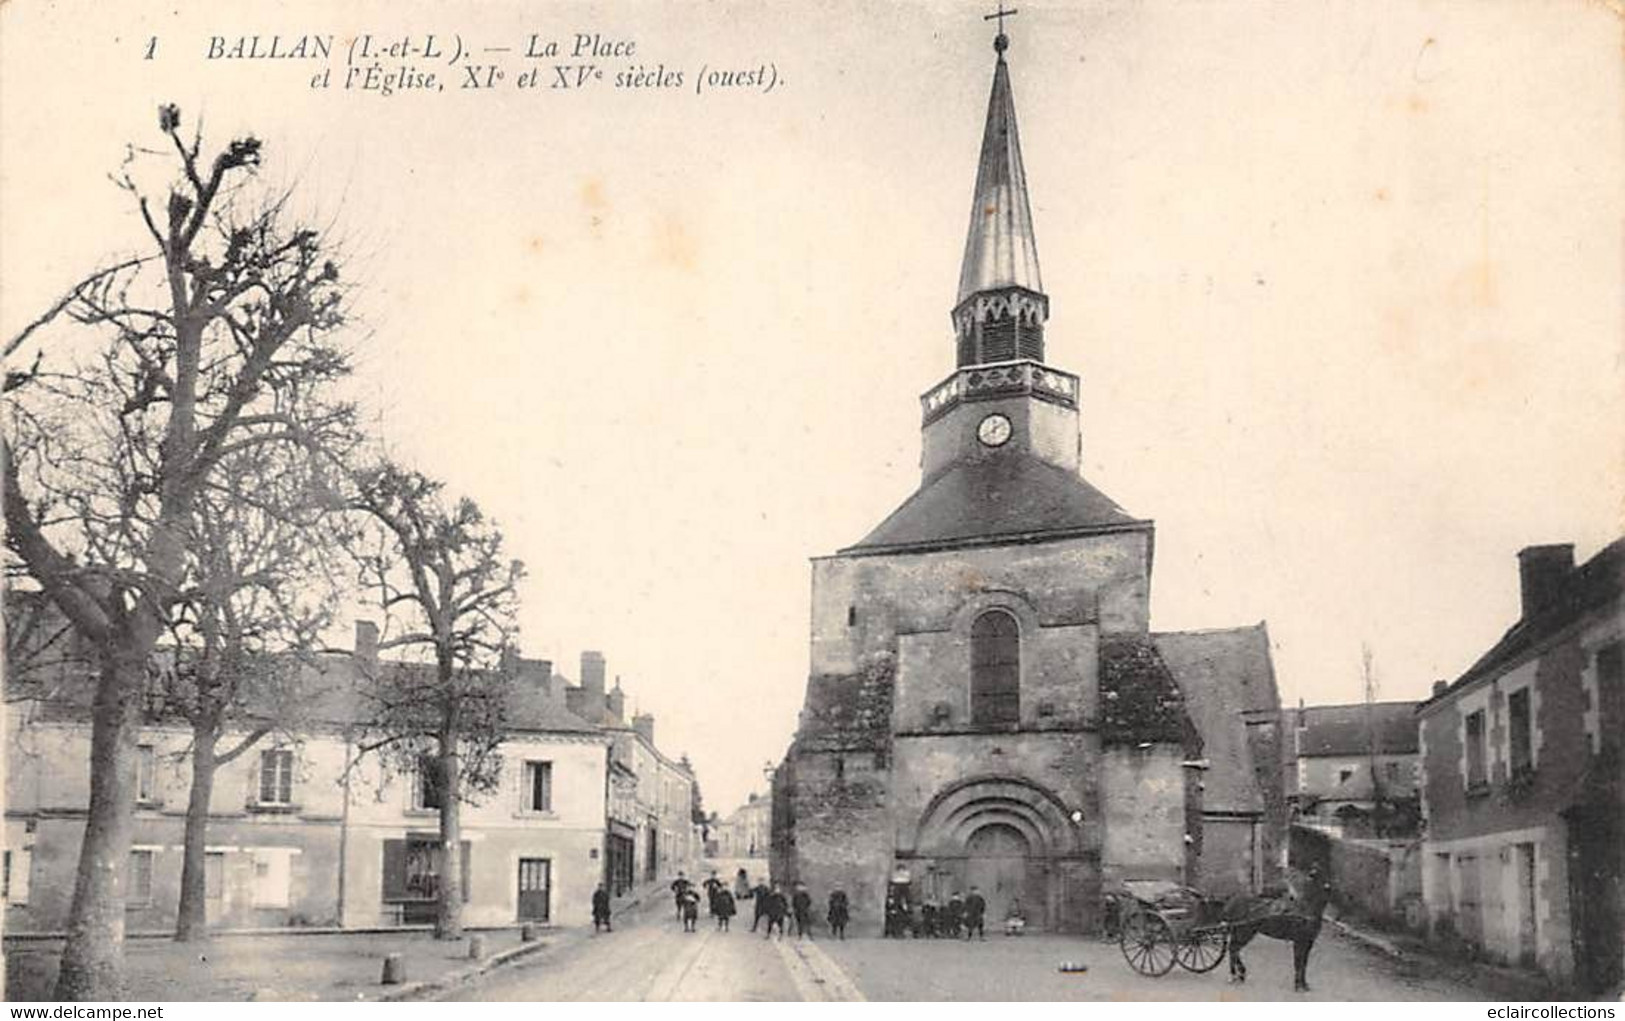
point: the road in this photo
(648, 957)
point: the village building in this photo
(1522, 786)
(297, 839)
(747, 831)
(649, 795)
(987, 704)
(1354, 767)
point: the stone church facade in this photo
(987, 704)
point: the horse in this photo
(1295, 918)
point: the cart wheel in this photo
(1147, 944)
(1202, 949)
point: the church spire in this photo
(1001, 305)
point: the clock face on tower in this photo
(994, 430)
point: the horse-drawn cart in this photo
(1162, 924)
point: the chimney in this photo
(644, 723)
(1439, 687)
(592, 672)
(615, 701)
(592, 685)
(510, 661)
(537, 672)
(1542, 570)
(366, 644)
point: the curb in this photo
(460, 977)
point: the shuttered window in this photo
(145, 772)
(276, 776)
(1476, 775)
(426, 783)
(538, 787)
(1520, 732)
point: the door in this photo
(1596, 899)
(1469, 907)
(997, 864)
(214, 887)
(1526, 904)
(535, 889)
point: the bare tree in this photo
(243, 636)
(108, 446)
(449, 595)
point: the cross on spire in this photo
(1001, 42)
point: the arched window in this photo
(995, 669)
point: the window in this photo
(1476, 776)
(995, 669)
(1345, 774)
(1520, 734)
(14, 866)
(426, 784)
(538, 789)
(140, 888)
(276, 776)
(145, 773)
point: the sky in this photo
(1343, 283)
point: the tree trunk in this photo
(191, 920)
(448, 920)
(93, 956)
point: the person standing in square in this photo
(975, 914)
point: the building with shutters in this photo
(1523, 779)
(650, 828)
(294, 838)
(987, 704)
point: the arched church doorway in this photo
(1011, 838)
(997, 861)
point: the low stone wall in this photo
(1380, 882)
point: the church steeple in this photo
(1001, 306)
(1002, 403)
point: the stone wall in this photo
(1144, 813)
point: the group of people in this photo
(961, 917)
(771, 904)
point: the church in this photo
(987, 704)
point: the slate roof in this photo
(998, 498)
(1593, 585)
(1223, 674)
(1140, 701)
(1341, 729)
(999, 247)
(328, 696)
